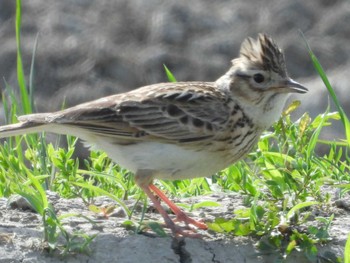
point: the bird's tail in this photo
(31, 123)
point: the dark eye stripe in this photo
(242, 75)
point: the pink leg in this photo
(180, 215)
(176, 230)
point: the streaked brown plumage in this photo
(180, 130)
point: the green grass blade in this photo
(11, 109)
(321, 72)
(347, 251)
(31, 74)
(331, 91)
(37, 185)
(314, 138)
(20, 72)
(170, 75)
(5, 107)
(36, 196)
(300, 206)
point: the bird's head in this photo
(259, 79)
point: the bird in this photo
(180, 130)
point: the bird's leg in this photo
(144, 180)
(180, 215)
(168, 221)
(176, 230)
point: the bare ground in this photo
(21, 236)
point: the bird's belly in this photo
(166, 161)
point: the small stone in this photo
(118, 213)
(343, 204)
(19, 202)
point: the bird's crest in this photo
(263, 53)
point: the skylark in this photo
(180, 130)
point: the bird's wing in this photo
(183, 112)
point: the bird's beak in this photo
(290, 85)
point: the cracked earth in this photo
(21, 235)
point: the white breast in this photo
(167, 161)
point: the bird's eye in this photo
(258, 77)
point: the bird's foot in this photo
(177, 230)
(183, 217)
(184, 231)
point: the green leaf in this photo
(304, 123)
(94, 208)
(242, 213)
(292, 107)
(221, 225)
(279, 156)
(156, 227)
(299, 206)
(242, 229)
(292, 244)
(205, 204)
